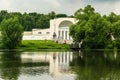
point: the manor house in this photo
(58, 30)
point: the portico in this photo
(61, 27)
(63, 33)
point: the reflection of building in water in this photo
(64, 59)
(58, 61)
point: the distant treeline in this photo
(31, 20)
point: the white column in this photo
(67, 35)
(64, 58)
(60, 55)
(60, 34)
(68, 57)
(64, 34)
(71, 56)
(70, 38)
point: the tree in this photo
(32, 20)
(60, 15)
(28, 22)
(82, 16)
(114, 21)
(3, 15)
(11, 31)
(51, 15)
(95, 30)
(42, 22)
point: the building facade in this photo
(59, 30)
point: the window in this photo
(39, 32)
(47, 32)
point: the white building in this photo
(59, 29)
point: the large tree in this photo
(115, 28)
(94, 30)
(11, 31)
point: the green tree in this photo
(3, 15)
(51, 15)
(114, 21)
(93, 29)
(32, 20)
(28, 22)
(60, 15)
(42, 22)
(11, 31)
(97, 31)
(77, 31)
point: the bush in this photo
(11, 31)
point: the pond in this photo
(60, 65)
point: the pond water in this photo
(59, 65)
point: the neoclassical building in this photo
(59, 30)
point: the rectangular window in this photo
(39, 32)
(47, 32)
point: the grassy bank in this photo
(42, 44)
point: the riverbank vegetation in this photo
(42, 44)
(96, 31)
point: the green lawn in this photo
(42, 44)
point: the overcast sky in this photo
(59, 6)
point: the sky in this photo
(59, 6)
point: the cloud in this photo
(60, 6)
(4, 4)
(53, 2)
(41, 6)
(108, 6)
(117, 7)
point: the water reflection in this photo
(10, 63)
(58, 62)
(35, 65)
(96, 65)
(66, 65)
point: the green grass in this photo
(42, 44)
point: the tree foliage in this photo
(95, 30)
(11, 31)
(31, 20)
(60, 15)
